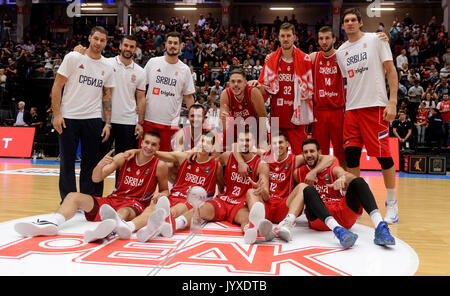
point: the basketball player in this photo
(170, 84)
(285, 202)
(329, 95)
(289, 84)
(231, 205)
(138, 179)
(127, 99)
(201, 170)
(366, 62)
(327, 209)
(87, 81)
(241, 103)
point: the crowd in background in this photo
(421, 53)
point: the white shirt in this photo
(361, 62)
(83, 91)
(168, 83)
(129, 79)
(400, 60)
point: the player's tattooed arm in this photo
(106, 104)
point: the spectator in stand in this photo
(442, 88)
(434, 129)
(421, 122)
(401, 58)
(413, 51)
(402, 129)
(189, 52)
(445, 71)
(444, 109)
(22, 117)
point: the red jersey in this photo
(282, 104)
(237, 185)
(137, 181)
(238, 108)
(422, 116)
(281, 176)
(324, 178)
(195, 173)
(188, 138)
(329, 91)
(445, 106)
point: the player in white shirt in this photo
(170, 84)
(128, 98)
(366, 62)
(87, 81)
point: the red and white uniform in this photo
(227, 204)
(135, 188)
(333, 199)
(361, 62)
(188, 137)
(281, 184)
(329, 104)
(242, 109)
(194, 173)
(282, 106)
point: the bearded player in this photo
(327, 209)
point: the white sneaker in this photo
(284, 230)
(122, 229)
(153, 228)
(256, 215)
(40, 227)
(391, 212)
(102, 230)
(168, 227)
(265, 229)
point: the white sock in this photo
(331, 222)
(57, 219)
(131, 225)
(376, 217)
(290, 218)
(180, 222)
(390, 194)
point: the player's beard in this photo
(172, 53)
(328, 49)
(129, 56)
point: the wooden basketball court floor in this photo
(424, 206)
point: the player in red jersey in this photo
(329, 96)
(138, 178)
(203, 170)
(327, 209)
(231, 205)
(282, 103)
(189, 136)
(239, 103)
(285, 201)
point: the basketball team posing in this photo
(257, 187)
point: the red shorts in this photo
(366, 127)
(296, 136)
(174, 200)
(225, 211)
(165, 131)
(276, 209)
(329, 126)
(116, 204)
(340, 212)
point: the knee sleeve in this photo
(352, 156)
(385, 162)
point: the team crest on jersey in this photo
(197, 169)
(128, 170)
(133, 77)
(138, 172)
(103, 73)
(81, 66)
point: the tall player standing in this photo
(87, 81)
(366, 62)
(287, 78)
(170, 84)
